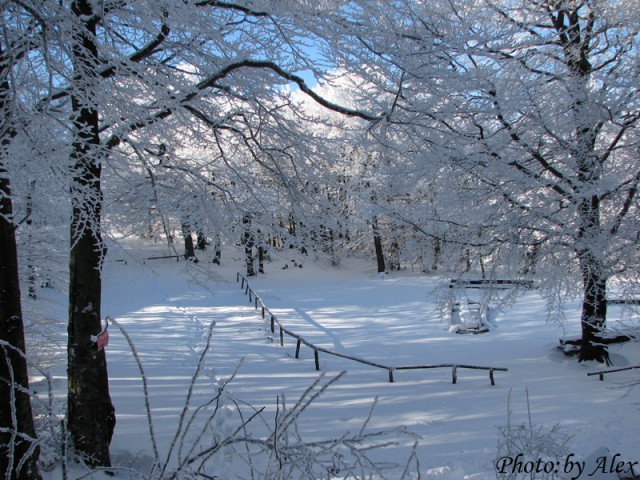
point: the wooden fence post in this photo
(281, 336)
(315, 357)
(273, 324)
(491, 376)
(454, 373)
(391, 375)
(298, 348)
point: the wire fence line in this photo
(259, 304)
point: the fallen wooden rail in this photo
(163, 257)
(623, 301)
(488, 282)
(119, 260)
(258, 303)
(611, 370)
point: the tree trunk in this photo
(189, 252)
(201, 243)
(217, 250)
(594, 282)
(377, 242)
(530, 260)
(588, 243)
(593, 318)
(90, 413)
(249, 243)
(32, 277)
(261, 256)
(575, 39)
(291, 225)
(437, 250)
(19, 453)
(248, 255)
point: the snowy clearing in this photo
(167, 306)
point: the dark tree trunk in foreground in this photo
(90, 414)
(19, 455)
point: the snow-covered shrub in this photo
(527, 451)
(225, 437)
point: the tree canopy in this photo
(498, 137)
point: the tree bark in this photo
(261, 256)
(437, 250)
(249, 243)
(19, 450)
(530, 260)
(594, 314)
(217, 250)
(90, 413)
(189, 251)
(377, 242)
(201, 243)
(32, 278)
(19, 453)
(594, 283)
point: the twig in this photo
(152, 436)
(187, 403)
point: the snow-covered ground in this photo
(167, 307)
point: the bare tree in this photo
(567, 143)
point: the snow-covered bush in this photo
(226, 435)
(527, 451)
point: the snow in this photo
(167, 307)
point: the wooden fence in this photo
(611, 370)
(258, 303)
